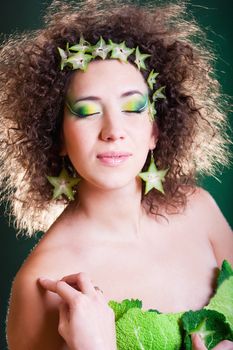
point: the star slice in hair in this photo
(79, 60)
(63, 185)
(140, 58)
(153, 178)
(158, 94)
(151, 110)
(101, 49)
(63, 56)
(120, 51)
(83, 45)
(151, 80)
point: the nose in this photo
(112, 127)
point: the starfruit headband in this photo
(79, 55)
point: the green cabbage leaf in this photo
(137, 329)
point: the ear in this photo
(154, 136)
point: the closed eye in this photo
(136, 111)
(136, 104)
(83, 109)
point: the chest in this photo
(169, 269)
(169, 275)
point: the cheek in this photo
(76, 135)
(144, 133)
(77, 145)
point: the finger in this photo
(67, 293)
(82, 281)
(197, 342)
(85, 284)
(64, 314)
(72, 280)
(224, 345)
(64, 318)
(48, 284)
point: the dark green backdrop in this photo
(26, 14)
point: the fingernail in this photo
(44, 280)
(193, 337)
(41, 279)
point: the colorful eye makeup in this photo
(135, 104)
(83, 109)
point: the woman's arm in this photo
(220, 233)
(221, 239)
(205, 213)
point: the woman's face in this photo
(107, 131)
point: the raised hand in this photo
(86, 322)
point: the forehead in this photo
(107, 76)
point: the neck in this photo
(115, 212)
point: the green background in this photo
(27, 14)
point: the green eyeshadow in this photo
(84, 109)
(135, 104)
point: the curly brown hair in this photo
(191, 122)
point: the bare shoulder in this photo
(32, 311)
(205, 212)
(32, 315)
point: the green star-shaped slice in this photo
(152, 110)
(63, 56)
(140, 59)
(101, 49)
(63, 185)
(202, 331)
(153, 178)
(83, 45)
(158, 94)
(151, 80)
(120, 51)
(79, 60)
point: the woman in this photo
(89, 103)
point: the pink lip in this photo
(113, 158)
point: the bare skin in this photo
(82, 303)
(152, 267)
(85, 319)
(169, 264)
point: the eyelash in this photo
(93, 114)
(137, 111)
(79, 115)
(90, 115)
(86, 115)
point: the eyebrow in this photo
(95, 98)
(133, 92)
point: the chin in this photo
(111, 184)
